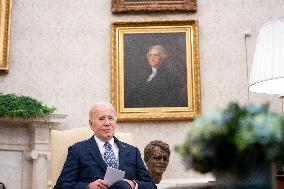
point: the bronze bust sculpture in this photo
(156, 157)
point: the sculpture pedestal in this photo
(186, 183)
(25, 151)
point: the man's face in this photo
(103, 122)
(158, 161)
(154, 58)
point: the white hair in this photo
(100, 104)
(162, 50)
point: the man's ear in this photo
(90, 123)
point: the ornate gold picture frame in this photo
(5, 19)
(155, 70)
(124, 6)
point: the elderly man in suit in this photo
(87, 161)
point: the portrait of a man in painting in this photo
(155, 71)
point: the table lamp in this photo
(267, 71)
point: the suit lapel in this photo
(94, 150)
(122, 153)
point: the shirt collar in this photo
(154, 70)
(101, 143)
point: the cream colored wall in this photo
(60, 53)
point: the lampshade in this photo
(267, 70)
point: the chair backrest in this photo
(61, 140)
(2, 186)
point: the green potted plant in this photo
(238, 143)
(25, 107)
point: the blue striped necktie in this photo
(109, 156)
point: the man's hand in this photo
(98, 184)
(131, 183)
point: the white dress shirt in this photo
(154, 72)
(114, 148)
(102, 148)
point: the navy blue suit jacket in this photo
(84, 164)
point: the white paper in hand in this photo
(113, 175)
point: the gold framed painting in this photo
(5, 19)
(155, 70)
(125, 6)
